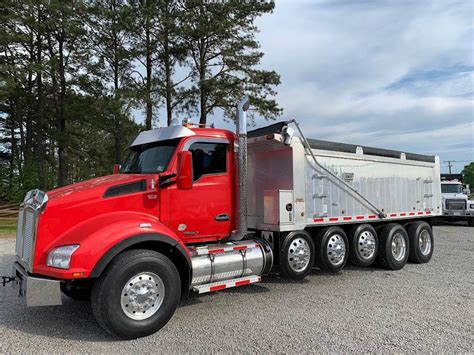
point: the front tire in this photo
(137, 294)
(421, 239)
(297, 255)
(333, 249)
(394, 246)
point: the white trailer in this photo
(305, 187)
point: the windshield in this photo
(149, 158)
(451, 188)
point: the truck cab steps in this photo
(222, 285)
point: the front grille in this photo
(28, 216)
(458, 205)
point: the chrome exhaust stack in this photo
(241, 168)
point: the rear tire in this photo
(421, 242)
(137, 294)
(297, 255)
(394, 247)
(332, 247)
(363, 244)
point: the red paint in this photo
(215, 251)
(360, 217)
(372, 216)
(241, 283)
(428, 212)
(79, 214)
(393, 215)
(403, 214)
(218, 287)
(420, 212)
(333, 219)
(412, 213)
(318, 219)
(241, 247)
(347, 218)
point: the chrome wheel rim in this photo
(366, 245)
(399, 247)
(142, 296)
(424, 242)
(336, 250)
(299, 255)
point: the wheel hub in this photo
(299, 254)
(336, 250)
(398, 247)
(424, 242)
(142, 296)
(366, 245)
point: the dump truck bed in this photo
(288, 190)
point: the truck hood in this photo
(454, 196)
(90, 189)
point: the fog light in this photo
(61, 257)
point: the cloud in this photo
(397, 74)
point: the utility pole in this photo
(449, 164)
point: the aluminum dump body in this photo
(287, 190)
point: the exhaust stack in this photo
(241, 165)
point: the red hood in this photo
(90, 189)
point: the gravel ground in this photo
(425, 308)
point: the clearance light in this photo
(61, 257)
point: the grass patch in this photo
(7, 227)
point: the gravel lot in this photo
(425, 308)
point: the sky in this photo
(392, 74)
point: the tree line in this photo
(73, 72)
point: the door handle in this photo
(223, 217)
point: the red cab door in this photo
(206, 211)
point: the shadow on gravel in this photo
(72, 321)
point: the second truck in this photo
(197, 209)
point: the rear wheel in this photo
(393, 246)
(137, 294)
(297, 255)
(363, 245)
(421, 239)
(332, 248)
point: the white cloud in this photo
(397, 74)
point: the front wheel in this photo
(137, 294)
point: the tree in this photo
(159, 49)
(468, 173)
(110, 23)
(224, 56)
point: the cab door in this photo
(206, 211)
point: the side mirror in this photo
(116, 168)
(184, 178)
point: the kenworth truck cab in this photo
(203, 209)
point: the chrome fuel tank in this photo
(218, 262)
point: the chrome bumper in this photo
(37, 291)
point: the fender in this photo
(102, 237)
(127, 243)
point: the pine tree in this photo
(225, 56)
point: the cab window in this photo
(208, 158)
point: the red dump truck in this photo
(197, 209)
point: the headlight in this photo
(61, 257)
(471, 206)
